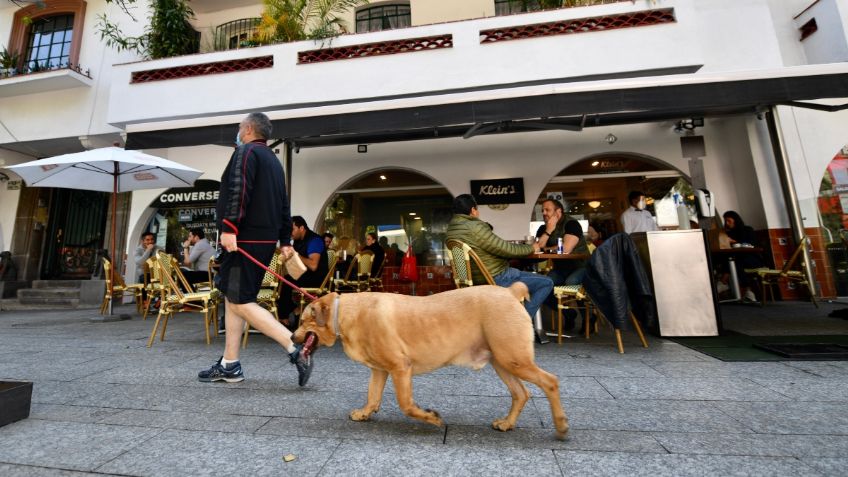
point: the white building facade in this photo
(464, 94)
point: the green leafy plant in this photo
(168, 33)
(294, 20)
(9, 60)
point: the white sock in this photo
(291, 348)
(225, 362)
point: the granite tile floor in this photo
(104, 404)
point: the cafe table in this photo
(734, 277)
(538, 257)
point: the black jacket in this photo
(252, 202)
(616, 281)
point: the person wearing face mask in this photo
(636, 218)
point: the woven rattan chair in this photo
(769, 277)
(358, 274)
(462, 256)
(324, 288)
(152, 285)
(176, 300)
(116, 289)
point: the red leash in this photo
(295, 287)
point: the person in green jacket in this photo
(494, 252)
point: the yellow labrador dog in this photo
(401, 336)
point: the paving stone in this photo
(57, 392)
(10, 470)
(698, 389)
(829, 467)
(580, 439)
(67, 445)
(754, 444)
(390, 427)
(56, 412)
(807, 389)
(723, 369)
(643, 415)
(789, 417)
(671, 465)
(436, 459)
(181, 453)
(192, 421)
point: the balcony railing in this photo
(236, 34)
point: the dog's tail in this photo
(520, 291)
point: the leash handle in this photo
(295, 287)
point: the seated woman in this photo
(372, 244)
(744, 235)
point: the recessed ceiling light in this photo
(382, 177)
(595, 163)
(412, 213)
(417, 218)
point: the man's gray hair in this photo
(260, 123)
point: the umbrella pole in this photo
(114, 215)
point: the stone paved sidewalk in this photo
(105, 404)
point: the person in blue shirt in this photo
(310, 246)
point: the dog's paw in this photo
(360, 415)
(502, 425)
(432, 417)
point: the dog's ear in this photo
(322, 309)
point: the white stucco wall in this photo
(829, 43)
(79, 111)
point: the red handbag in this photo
(409, 267)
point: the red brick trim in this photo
(579, 25)
(408, 45)
(203, 69)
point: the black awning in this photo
(567, 110)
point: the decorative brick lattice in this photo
(579, 25)
(409, 45)
(189, 71)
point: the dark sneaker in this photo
(231, 374)
(301, 357)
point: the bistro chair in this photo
(769, 277)
(376, 282)
(175, 300)
(362, 262)
(116, 288)
(153, 287)
(208, 285)
(269, 293)
(573, 297)
(461, 258)
(324, 288)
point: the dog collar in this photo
(336, 316)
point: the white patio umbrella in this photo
(109, 169)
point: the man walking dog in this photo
(253, 215)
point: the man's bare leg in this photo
(260, 319)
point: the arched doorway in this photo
(402, 206)
(594, 190)
(833, 211)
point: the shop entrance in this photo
(75, 232)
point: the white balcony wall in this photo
(467, 64)
(829, 44)
(79, 111)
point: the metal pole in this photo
(784, 171)
(288, 171)
(114, 214)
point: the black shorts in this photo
(241, 279)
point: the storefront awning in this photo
(566, 105)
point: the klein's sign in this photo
(498, 191)
(204, 192)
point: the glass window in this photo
(49, 42)
(383, 17)
(507, 7)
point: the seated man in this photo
(310, 247)
(636, 218)
(196, 254)
(146, 249)
(494, 252)
(565, 272)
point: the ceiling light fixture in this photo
(610, 139)
(382, 177)
(594, 204)
(412, 213)
(595, 163)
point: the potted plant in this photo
(8, 62)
